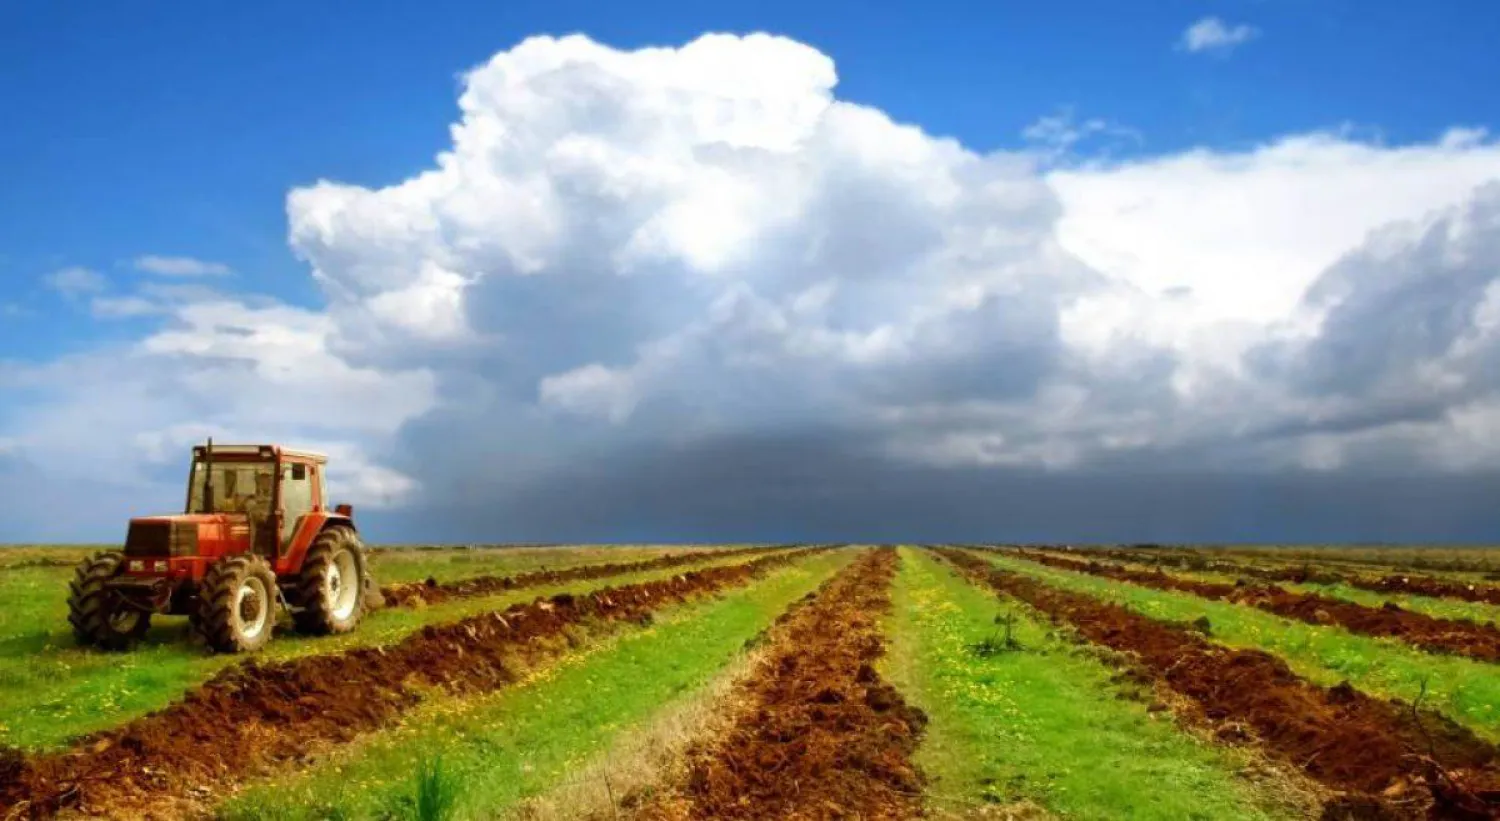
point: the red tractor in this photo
(256, 534)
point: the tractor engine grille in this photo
(162, 539)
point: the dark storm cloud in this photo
(821, 487)
(1405, 299)
(1405, 409)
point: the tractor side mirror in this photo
(345, 509)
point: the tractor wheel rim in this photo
(123, 621)
(343, 584)
(254, 607)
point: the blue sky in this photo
(180, 129)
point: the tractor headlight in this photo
(137, 566)
(160, 567)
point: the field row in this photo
(811, 682)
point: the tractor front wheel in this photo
(98, 617)
(331, 586)
(237, 604)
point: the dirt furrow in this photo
(1387, 759)
(1429, 586)
(1197, 562)
(432, 591)
(1398, 583)
(1459, 637)
(252, 717)
(1080, 559)
(820, 734)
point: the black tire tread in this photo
(314, 616)
(216, 616)
(88, 603)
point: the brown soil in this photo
(252, 717)
(1388, 760)
(822, 736)
(433, 591)
(1459, 637)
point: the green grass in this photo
(518, 743)
(1428, 558)
(1041, 723)
(1428, 605)
(1465, 690)
(35, 602)
(52, 690)
(25, 555)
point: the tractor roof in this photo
(264, 451)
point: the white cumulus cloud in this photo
(651, 242)
(118, 421)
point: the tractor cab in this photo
(256, 531)
(272, 488)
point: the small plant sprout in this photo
(437, 791)
(1003, 641)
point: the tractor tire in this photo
(96, 616)
(332, 589)
(237, 604)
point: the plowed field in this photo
(786, 682)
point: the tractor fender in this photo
(307, 529)
(338, 520)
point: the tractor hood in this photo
(193, 518)
(180, 535)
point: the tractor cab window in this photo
(296, 497)
(239, 487)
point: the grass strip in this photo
(1465, 690)
(1448, 559)
(1041, 721)
(501, 749)
(1443, 598)
(1438, 608)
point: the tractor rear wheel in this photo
(331, 589)
(237, 604)
(97, 616)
